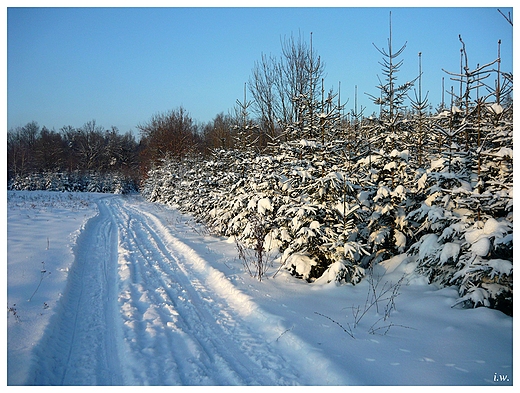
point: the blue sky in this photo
(120, 66)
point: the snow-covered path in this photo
(140, 294)
(142, 307)
(82, 347)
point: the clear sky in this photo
(120, 66)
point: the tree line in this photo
(284, 92)
(91, 148)
(335, 192)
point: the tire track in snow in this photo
(141, 307)
(80, 346)
(221, 349)
(240, 332)
(146, 315)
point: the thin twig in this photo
(387, 327)
(337, 323)
(43, 274)
(286, 330)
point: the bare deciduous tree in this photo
(278, 84)
(171, 134)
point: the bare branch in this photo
(508, 17)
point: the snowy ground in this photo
(112, 290)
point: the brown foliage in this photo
(172, 134)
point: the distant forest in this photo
(283, 99)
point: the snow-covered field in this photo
(112, 290)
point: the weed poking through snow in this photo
(12, 310)
(377, 296)
(43, 273)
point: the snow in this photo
(437, 164)
(382, 192)
(481, 247)
(455, 109)
(264, 205)
(302, 263)
(393, 263)
(429, 245)
(501, 266)
(136, 293)
(400, 240)
(271, 241)
(307, 143)
(421, 183)
(314, 225)
(504, 152)
(480, 238)
(331, 273)
(497, 109)
(478, 296)
(404, 155)
(391, 165)
(449, 251)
